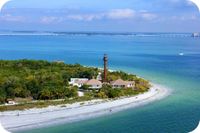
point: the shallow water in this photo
(155, 58)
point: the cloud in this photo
(71, 15)
(50, 19)
(85, 17)
(147, 15)
(114, 14)
(11, 18)
(184, 18)
(120, 14)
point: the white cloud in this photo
(85, 17)
(112, 14)
(120, 14)
(115, 14)
(50, 19)
(11, 18)
(184, 18)
(147, 15)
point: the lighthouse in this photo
(105, 60)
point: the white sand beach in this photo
(34, 118)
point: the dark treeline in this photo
(40, 80)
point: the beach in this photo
(35, 118)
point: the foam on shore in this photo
(35, 118)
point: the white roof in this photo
(94, 82)
(120, 82)
(79, 79)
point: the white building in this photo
(94, 84)
(99, 77)
(80, 93)
(122, 84)
(78, 81)
(10, 102)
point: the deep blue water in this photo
(155, 58)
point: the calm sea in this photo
(172, 60)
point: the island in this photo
(39, 91)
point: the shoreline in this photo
(44, 117)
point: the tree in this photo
(19, 92)
(71, 91)
(102, 94)
(10, 92)
(59, 93)
(45, 94)
(85, 87)
(113, 93)
(2, 96)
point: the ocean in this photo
(172, 60)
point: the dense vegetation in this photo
(114, 75)
(108, 92)
(43, 80)
(40, 79)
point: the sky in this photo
(101, 16)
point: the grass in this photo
(42, 104)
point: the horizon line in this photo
(94, 32)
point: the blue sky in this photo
(101, 15)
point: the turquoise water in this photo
(155, 58)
